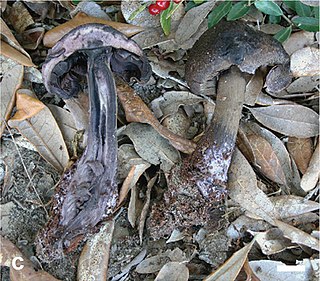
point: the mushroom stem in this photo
(209, 164)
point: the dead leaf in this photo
(253, 88)
(173, 271)
(12, 78)
(298, 40)
(231, 268)
(314, 3)
(271, 28)
(43, 132)
(12, 53)
(91, 9)
(27, 271)
(290, 205)
(301, 151)
(192, 21)
(94, 258)
(19, 17)
(311, 176)
(243, 189)
(32, 37)
(304, 84)
(291, 120)
(278, 271)
(27, 105)
(55, 34)
(137, 111)
(304, 62)
(297, 236)
(266, 160)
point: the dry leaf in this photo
(311, 176)
(94, 258)
(301, 151)
(253, 88)
(43, 132)
(297, 236)
(243, 189)
(305, 62)
(8, 37)
(271, 28)
(267, 270)
(12, 53)
(11, 80)
(27, 272)
(192, 21)
(19, 17)
(55, 34)
(173, 271)
(231, 268)
(291, 120)
(137, 111)
(298, 40)
(32, 37)
(91, 9)
(290, 205)
(304, 84)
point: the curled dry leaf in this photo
(55, 34)
(298, 40)
(231, 268)
(32, 37)
(292, 120)
(12, 78)
(175, 271)
(19, 17)
(311, 176)
(243, 189)
(304, 62)
(297, 236)
(40, 128)
(301, 151)
(8, 252)
(94, 258)
(192, 21)
(12, 53)
(137, 111)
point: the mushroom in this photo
(87, 192)
(229, 52)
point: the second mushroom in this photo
(227, 52)
(87, 192)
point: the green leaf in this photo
(307, 23)
(198, 2)
(166, 22)
(274, 19)
(218, 13)
(283, 34)
(137, 11)
(268, 7)
(302, 9)
(290, 4)
(238, 10)
(316, 12)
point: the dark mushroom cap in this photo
(235, 43)
(66, 61)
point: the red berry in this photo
(177, 1)
(163, 5)
(154, 9)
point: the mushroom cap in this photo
(235, 43)
(128, 59)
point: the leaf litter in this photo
(279, 142)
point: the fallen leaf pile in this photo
(269, 221)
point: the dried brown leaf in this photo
(305, 62)
(27, 272)
(297, 236)
(32, 37)
(304, 84)
(312, 174)
(231, 268)
(298, 40)
(19, 17)
(293, 120)
(12, 53)
(192, 21)
(174, 271)
(301, 151)
(55, 34)
(137, 111)
(94, 258)
(12, 78)
(243, 189)
(254, 88)
(42, 131)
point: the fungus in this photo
(87, 192)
